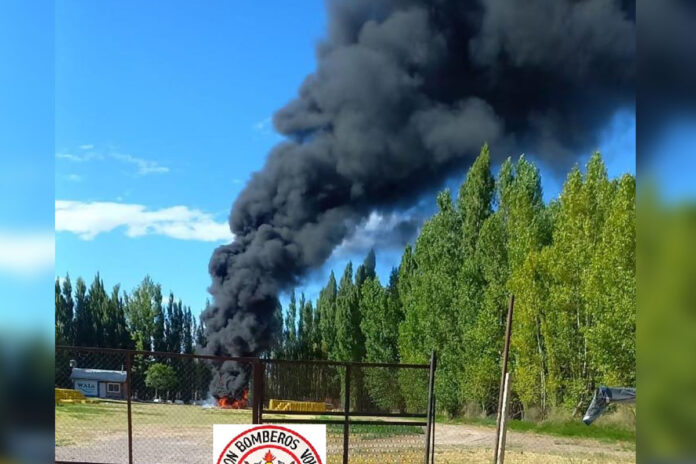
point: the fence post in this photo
(262, 389)
(129, 393)
(432, 439)
(506, 351)
(257, 400)
(431, 408)
(500, 457)
(346, 418)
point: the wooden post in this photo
(262, 390)
(430, 411)
(500, 455)
(257, 400)
(506, 351)
(346, 418)
(128, 402)
(432, 438)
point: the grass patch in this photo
(79, 424)
(372, 432)
(607, 432)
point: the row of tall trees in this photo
(143, 320)
(570, 263)
(140, 320)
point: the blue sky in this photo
(163, 105)
(160, 106)
(162, 112)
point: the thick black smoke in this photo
(406, 91)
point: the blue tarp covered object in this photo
(605, 396)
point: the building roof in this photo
(98, 374)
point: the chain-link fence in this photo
(172, 412)
(377, 412)
(118, 406)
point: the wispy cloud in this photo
(143, 166)
(264, 126)
(74, 178)
(26, 253)
(89, 219)
(79, 158)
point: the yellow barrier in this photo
(68, 396)
(297, 406)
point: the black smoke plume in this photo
(405, 91)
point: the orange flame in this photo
(269, 458)
(226, 402)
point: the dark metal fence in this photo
(370, 417)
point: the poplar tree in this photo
(60, 316)
(291, 327)
(611, 291)
(326, 307)
(430, 317)
(380, 325)
(474, 207)
(350, 344)
(84, 334)
(158, 337)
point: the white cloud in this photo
(74, 178)
(81, 158)
(381, 231)
(143, 166)
(26, 253)
(89, 219)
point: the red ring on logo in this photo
(244, 456)
(270, 427)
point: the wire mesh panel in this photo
(91, 417)
(176, 402)
(389, 390)
(380, 402)
(388, 395)
(306, 391)
(377, 444)
(303, 387)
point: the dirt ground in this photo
(454, 444)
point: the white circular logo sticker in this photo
(269, 444)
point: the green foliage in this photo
(326, 308)
(569, 263)
(430, 306)
(291, 327)
(381, 316)
(160, 377)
